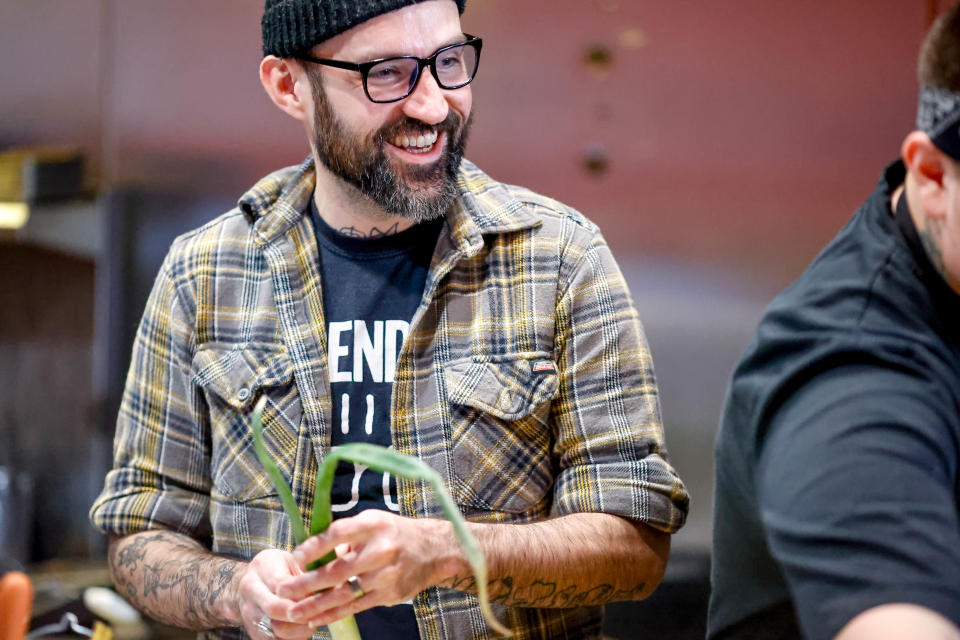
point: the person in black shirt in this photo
(838, 455)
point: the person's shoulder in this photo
(847, 305)
(853, 291)
(191, 251)
(493, 193)
(227, 225)
(861, 267)
(233, 230)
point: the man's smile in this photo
(421, 149)
(416, 143)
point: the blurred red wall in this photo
(737, 134)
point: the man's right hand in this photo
(256, 596)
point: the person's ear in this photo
(287, 86)
(927, 166)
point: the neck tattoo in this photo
(375, 232)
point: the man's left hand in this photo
(389, 558)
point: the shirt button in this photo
(243, 394)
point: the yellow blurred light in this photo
(13, 215)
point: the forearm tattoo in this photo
(546, 593)
(576, 560)
(174, 580)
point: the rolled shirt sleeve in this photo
(160, 476)
(610, 442)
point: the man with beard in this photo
(838, 458)
(388, 291)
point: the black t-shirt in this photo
(371, 290)
(837, 484)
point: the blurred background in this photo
(717, 144)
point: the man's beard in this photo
(414, 192)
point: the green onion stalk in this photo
(386, 461)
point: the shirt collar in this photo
(945, 300)
(484, 205)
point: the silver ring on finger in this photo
(355, 587)
(265, 625)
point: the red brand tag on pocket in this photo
(544, 366)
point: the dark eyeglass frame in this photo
(364, 67)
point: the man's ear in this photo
(287, 86)
(926, 165)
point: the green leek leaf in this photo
(383, 460)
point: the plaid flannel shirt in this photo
(517, 279)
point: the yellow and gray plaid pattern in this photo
(517, 279)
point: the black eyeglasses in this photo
(393, 79)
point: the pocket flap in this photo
(235, 375)
(506, 387)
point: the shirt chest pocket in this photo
(231, 380)
(501, 439)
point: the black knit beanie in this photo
(294, 26)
